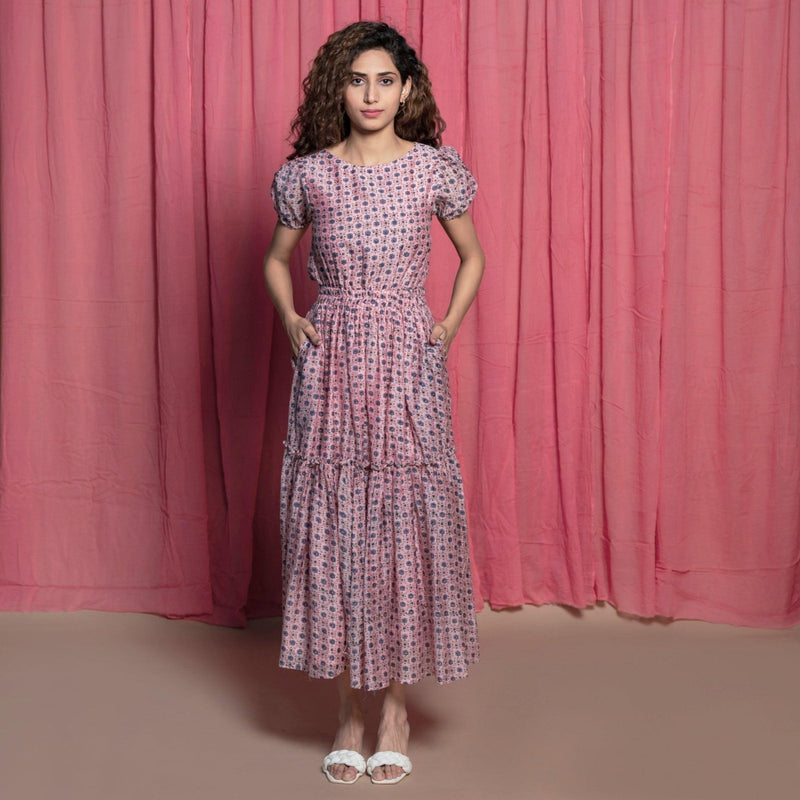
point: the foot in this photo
(393, 733)
(349, 736)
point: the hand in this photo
(443, 333)
(299, 329)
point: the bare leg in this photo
(393, 730)
(350, 734)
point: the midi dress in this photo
(375, 555)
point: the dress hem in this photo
(369, 688)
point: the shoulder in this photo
(454, 186)
(293, 190)
(297, 168)
(445, 162)
(445, 155)
(304, 166)
(435, 155)
(425, 150)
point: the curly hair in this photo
(321, 120)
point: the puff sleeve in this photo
(454, 186)
(289, 196)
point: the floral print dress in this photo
(376, 567)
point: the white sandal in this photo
(350, 758)
(385, 758)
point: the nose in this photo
(370, 95)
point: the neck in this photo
(367, 149)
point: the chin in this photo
(371, 125)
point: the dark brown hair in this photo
(321, 120)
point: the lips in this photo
(371, 113)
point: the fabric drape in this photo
(626, 388)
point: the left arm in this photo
(464, 238)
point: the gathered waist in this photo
(382, 294)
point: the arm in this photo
(464, 238)
(279, 285)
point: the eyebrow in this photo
(380, 74)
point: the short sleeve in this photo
(289, 196)
(454, 186)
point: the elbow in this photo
(480, 262)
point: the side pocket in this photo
(435, 398)
(301, 353)
(437, 353)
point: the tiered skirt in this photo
(376, 566)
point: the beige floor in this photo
(563, 706)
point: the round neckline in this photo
(371, 166)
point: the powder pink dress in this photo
(376, 570)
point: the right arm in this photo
(279, 285)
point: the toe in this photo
(386, 773)
(342, 772)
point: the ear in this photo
(406, 90)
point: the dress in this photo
(376, 568)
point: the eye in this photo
(387, 81)
(356, 81)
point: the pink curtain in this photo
(626, 389)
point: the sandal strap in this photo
(349, 758)
(385, 758)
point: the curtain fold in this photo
(626, 388)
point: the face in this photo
(374, 90)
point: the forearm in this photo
(279, 286)
(276, 271)
(465, 287)
(462, 234)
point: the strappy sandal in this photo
(386, 758)
(350, 758)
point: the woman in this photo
(377, 589)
